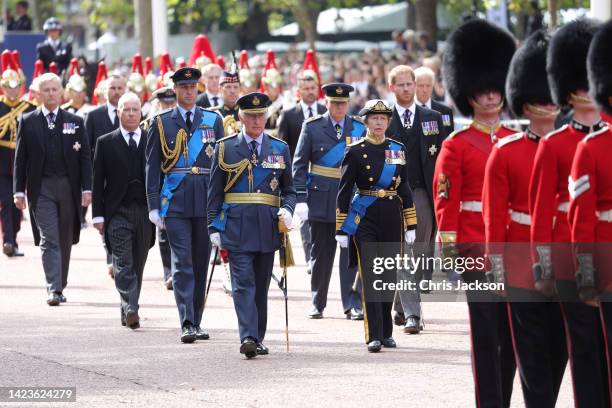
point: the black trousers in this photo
(539, 339)
(10, 216)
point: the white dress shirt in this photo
(111, 112)
(305, 107)
(401, 110)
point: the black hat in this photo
(599, 65)
(527, 82)
(229, 77)
(475, 60)
(338, 92)
(376, 106)
(566, 60)
(186, 75)
(165, 94)
(254, 102)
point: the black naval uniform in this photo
(225, 110)
(10, 216)
(385, 221)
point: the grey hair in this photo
(423, 72)
(48, 77)
(127, 97)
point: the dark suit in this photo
(203, 102)
(318, 137)
(185, 218)
(447, 116)
(289, 129)
(422, 142)
(128, 231)
(53, 201)
(61, 55)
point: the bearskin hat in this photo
(599, 66)
(476, 59)
(566, 59)
(527, 81)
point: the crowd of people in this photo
(212, 157)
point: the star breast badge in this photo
(76, 146)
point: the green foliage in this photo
(109, 13)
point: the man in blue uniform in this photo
(316, 171)
(251, 192)
(179, 151)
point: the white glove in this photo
(215, 239)
(156, 219)
(286, 216)
(342, 240)
(301, 210)
(409, 236)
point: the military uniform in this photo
(10, 112)
(182, 156)
(248, 186)
(549, 203)
(379, 211)
(316, 173)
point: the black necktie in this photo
(51, 120)
(215, 100)
(132, 142)
(116, 121)
(310, 112)
(338, 130)
(407, 115)
(254, 148)
(188, 119)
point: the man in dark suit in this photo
(316, 171)
(53, 49)
(120, 204)
(425, 79)
(289, 129)
(24, 22)
(212, 96)
(178, 202)
(421, 131)
(103, 120)
(53, 163)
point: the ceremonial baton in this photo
(212, 271)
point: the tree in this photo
(425, 18)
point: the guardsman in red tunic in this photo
(536, 322)
(590, 189)
(476, 84)
(549, 202)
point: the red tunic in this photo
(549, 197)
(505, 193)
(591, 196)
(458, 178)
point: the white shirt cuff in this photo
(19, 194)
(86, 191)
(97, 220)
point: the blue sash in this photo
(242, 185)
(360, 203)
(195, 145)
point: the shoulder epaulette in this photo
(556, 131)
(215, 108)
(165, 112)
(356, 142)
(223, 139)
(457, 132)
(358, 119)
(595, 134)
(276, 138)
(396, 142)
(313, 118)
(509, 139)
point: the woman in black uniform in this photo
(377, 218)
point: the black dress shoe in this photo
(188, 334)
(248, 347)
(413, 325)
(132, 320)
(315, 313)
(389, 342)
(123, 322)
(262, 350)
(356, 314)
(62, 298)
(10, 250)
(53, 299)
(201, 334)
(374, 346)
(399, 319)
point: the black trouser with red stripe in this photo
(539, 341)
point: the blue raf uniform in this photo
(316, 173)
(177, 175)
(250, 181)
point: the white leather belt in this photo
(475, 206)
(605, 216)
(520, 217)
(564, 207)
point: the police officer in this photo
(316, 171)
(11, 109)
(251, 193)
(180, 145)
(53, 49)
(383, 201)
(167, 100)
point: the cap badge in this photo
(256, 101)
